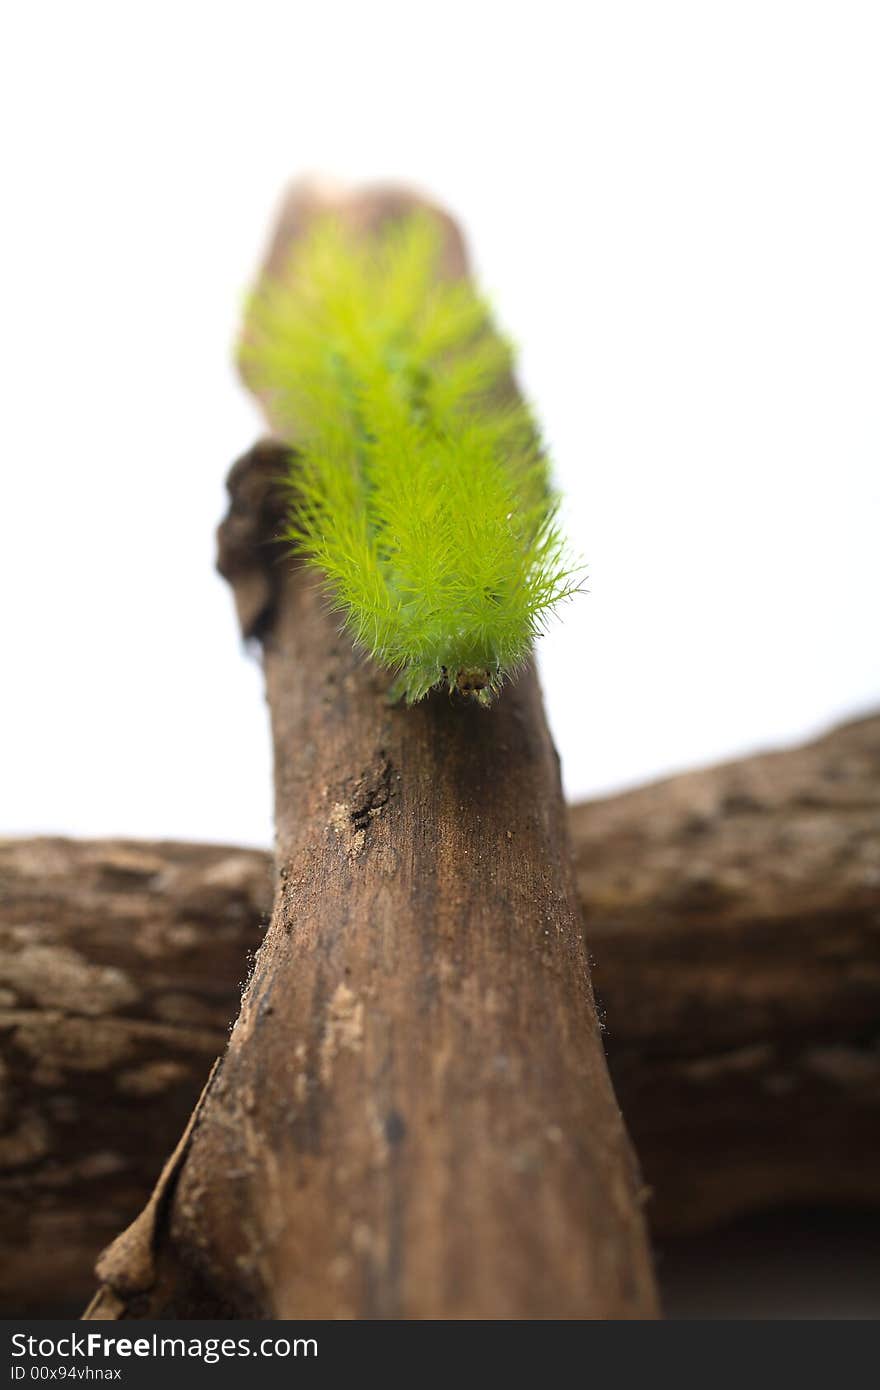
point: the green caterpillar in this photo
(419, 486)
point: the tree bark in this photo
(734, 916)
(120, 966)
(414, 1116)
(748, 1058)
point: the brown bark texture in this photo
(120, 971)
(746, 1075)
(734, 918)
(414, 1116)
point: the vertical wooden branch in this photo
(414, 1116)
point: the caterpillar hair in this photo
(419, 486)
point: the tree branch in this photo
(120, 966)
(413, 1117)
(734, 917)
(730, 1027)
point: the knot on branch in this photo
(351, 819)
(248, 551)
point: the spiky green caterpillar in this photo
(420, 490)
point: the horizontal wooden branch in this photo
(120, 972)
(734, 916)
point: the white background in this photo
(676, 210)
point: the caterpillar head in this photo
(475, 682)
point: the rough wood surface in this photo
(414, 1116)
(748, 1054)
(734, 916)
(120, 966)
